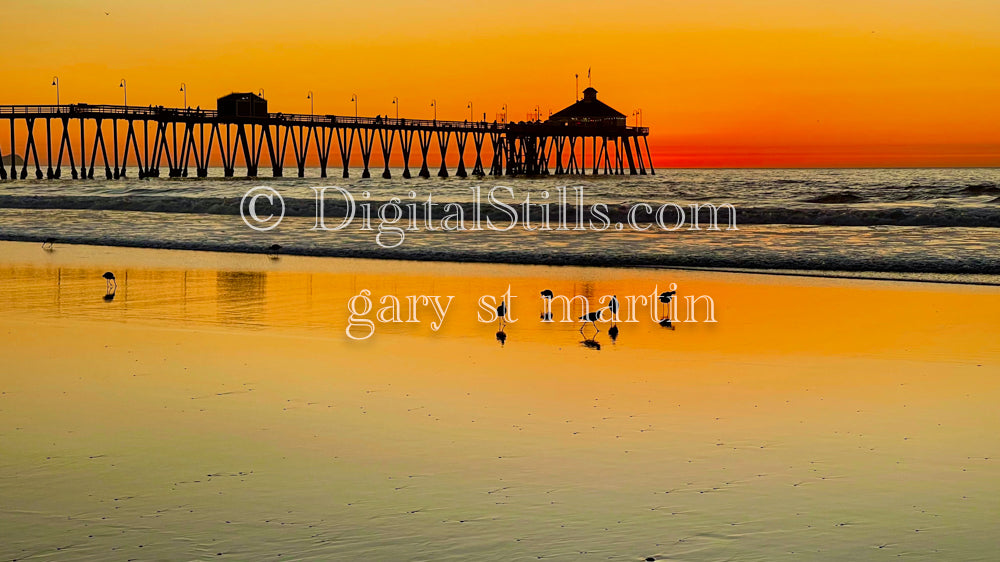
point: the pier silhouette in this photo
(245, 137)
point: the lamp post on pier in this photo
(434, 104)
(55, 82)
(354, 98)
(124, 86)
(184, 89)
(312, 103)
(395, 102)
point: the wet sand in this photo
(216, 409)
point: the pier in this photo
(148, 141)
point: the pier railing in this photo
(178, 137)
(184, 114)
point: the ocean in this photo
(940, 224)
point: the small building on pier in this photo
(242, 105)
(589, 111)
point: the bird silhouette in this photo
(502, 337)
(613, 333)
(273, 250)
(502, 314)
(547, 294)
(592, 318)
(47, 244)
(112, 284)
(665, 298)
(613, 307)
(591, 343)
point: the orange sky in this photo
(720, 82)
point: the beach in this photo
(215, 407)
(478, 282)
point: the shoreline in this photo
(968, 279)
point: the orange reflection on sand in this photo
(217, 396)
(756, 314)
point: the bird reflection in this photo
(502, 337)
(273, 251)
(613, 333)
(591, 343)
(47, 244)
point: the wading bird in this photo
(501, 314)
(547, 316)
(665, 298)
(592, 317)
(109, 279)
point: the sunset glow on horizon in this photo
(720, 83)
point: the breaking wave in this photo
(888, 215)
